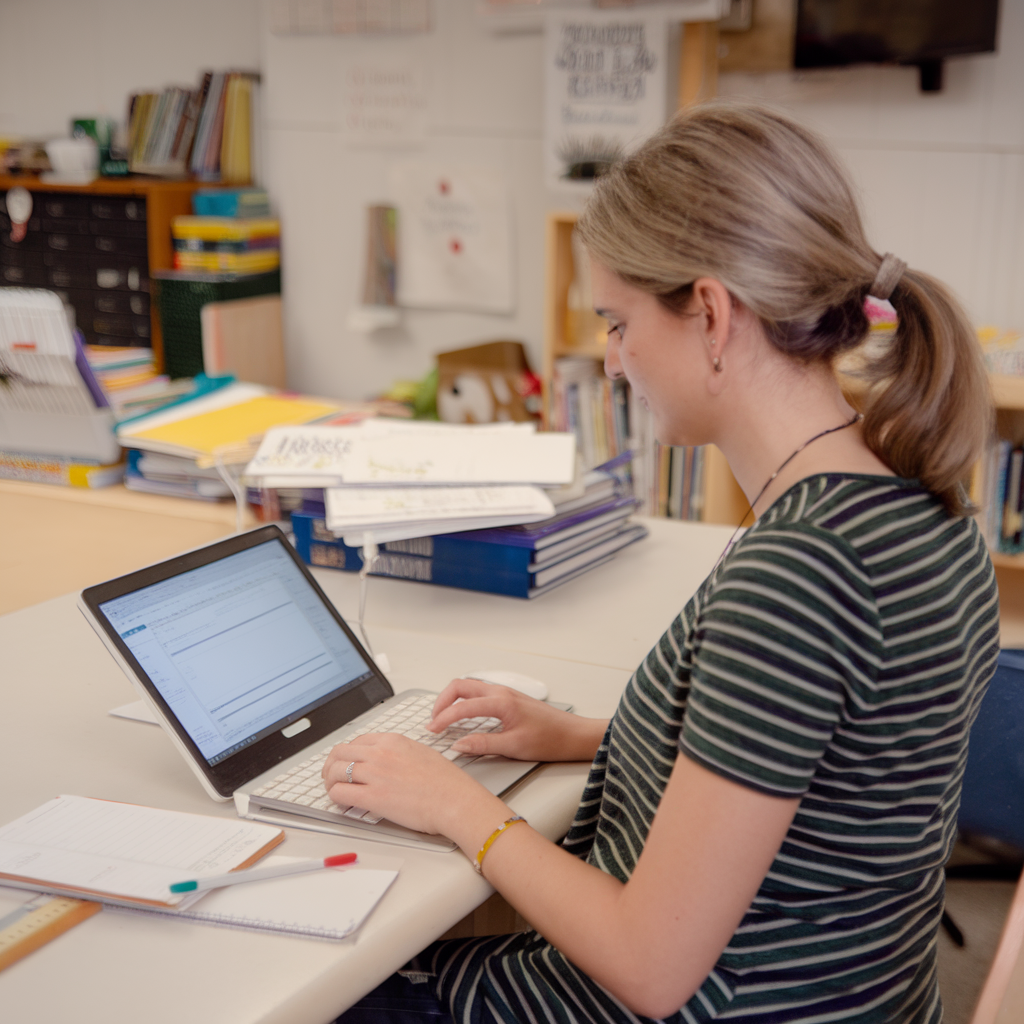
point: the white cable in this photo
(233, 486)
(369, 552)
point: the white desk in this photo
(57, 683)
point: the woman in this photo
(821, 682)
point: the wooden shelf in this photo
(592, 351)
(165, 200)
(1008, 392)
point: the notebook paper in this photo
(328, 904)
(114, 851)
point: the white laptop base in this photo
(293, 792)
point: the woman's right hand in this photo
(530, 729)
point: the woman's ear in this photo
(712, 304)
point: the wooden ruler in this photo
(43, 919)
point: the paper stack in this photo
(391, 480)
(176, 450)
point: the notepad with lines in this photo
(328, 904)
(124, 853)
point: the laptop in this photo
(251, 671)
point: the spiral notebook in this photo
(328, 904)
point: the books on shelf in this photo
(206, 131)
(1002, 497)
(677, 486)
(596, 409)
(161, 127)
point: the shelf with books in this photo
(574, 336)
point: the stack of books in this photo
(128, 379)
(207, 130)
(590, 525)
(232, 245)
(183, 449)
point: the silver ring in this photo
(348, 772)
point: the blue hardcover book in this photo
(419, 559)
(504, 549)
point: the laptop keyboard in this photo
(303, 787)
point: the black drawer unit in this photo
(93, 251)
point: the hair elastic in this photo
(889, 273)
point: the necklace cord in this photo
(760, 494)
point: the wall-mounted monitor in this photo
(833, 33)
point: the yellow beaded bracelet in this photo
(489, 841)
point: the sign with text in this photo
(605, 90)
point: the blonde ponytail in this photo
(745, 195)
(929, 411)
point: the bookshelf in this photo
(1008, 396)
(164, 201)
(582, 333)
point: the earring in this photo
(714, 341)
(716, 364)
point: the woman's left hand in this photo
(405, 781)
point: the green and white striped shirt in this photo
(838, 654)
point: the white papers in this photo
(451, 455)
(401, 513)
(369, 508)
(328, 904)
(455, 238)
(74, 844)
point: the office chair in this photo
(992, 799)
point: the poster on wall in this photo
(454, 237)
(606, 90)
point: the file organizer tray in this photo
(72, 435)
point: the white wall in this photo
(61, 59)
(484, 105)
(942, 176)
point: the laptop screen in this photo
(238, 648)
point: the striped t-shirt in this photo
(838, 653)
